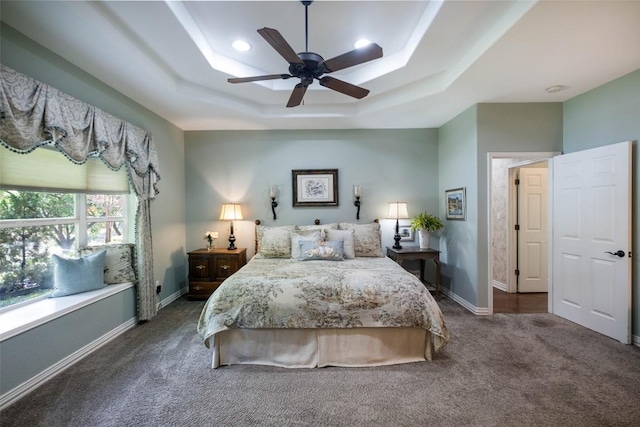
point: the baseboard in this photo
(500, 285)
(171, 298)
(28, 386)
(481, 311)
(635, 339)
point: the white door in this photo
(533, 234)
(591, 223)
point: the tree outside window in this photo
(35, 225)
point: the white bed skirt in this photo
(310, 348)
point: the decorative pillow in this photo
(76, 275)
(300, 235)
(367, 241)
(274, 242)
(118, 263)
(347, 236)
(330, 250)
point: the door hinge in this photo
(517, 272)
(517, 181)
(517, 227)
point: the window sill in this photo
(21, 319)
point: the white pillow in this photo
(322, 227)
(367, 239)
(118, 262)
(348, 237)
(274, 242)
(303, 235)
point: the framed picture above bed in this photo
(315, 187)
(456, 204)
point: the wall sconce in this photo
(397, 211)
(273, 194)
(230, 212)
(357, 193)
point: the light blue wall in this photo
(226, 166)
(27, 355)
(167, 213)
(607, 115)
(525, 127)
(458, 168)
(465, 143)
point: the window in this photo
(34, 225)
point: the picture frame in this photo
(406, 233)
(315, 187)
(455, 201)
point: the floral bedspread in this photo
(287, 293)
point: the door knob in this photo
(620, 253)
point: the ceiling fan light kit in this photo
(310, 66)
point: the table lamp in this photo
(397, 211)
(231, 212)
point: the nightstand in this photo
(416, 253)
(209, 268)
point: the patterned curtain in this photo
(33, 114)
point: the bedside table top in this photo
(223, 251)
(412, 250)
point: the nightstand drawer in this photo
(225, 266)
(204, 289)
(209, 268)
(199, 267)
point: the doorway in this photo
(503, 243)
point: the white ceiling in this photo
(439, 57)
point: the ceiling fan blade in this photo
(354, 57)
(258, 78)
(344, 87)
(296, 96)
(275, 39)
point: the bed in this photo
(316, 296)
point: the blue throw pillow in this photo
(331, 250)
(76, 275)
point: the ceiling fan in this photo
(308, 66)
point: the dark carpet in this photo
(503, 370)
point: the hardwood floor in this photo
(519, 303)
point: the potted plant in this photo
(425, 223)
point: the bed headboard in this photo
(258, 222)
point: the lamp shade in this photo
(231, 211)
(397, 210)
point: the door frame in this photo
(529, 157)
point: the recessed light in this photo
(241, 45)
(555, 88)
(361, 43)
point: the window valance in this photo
(33, 114)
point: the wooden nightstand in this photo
(208, 269)
(413, 253)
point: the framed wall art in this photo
(315, 187)
(406, 233)
(455, 201)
